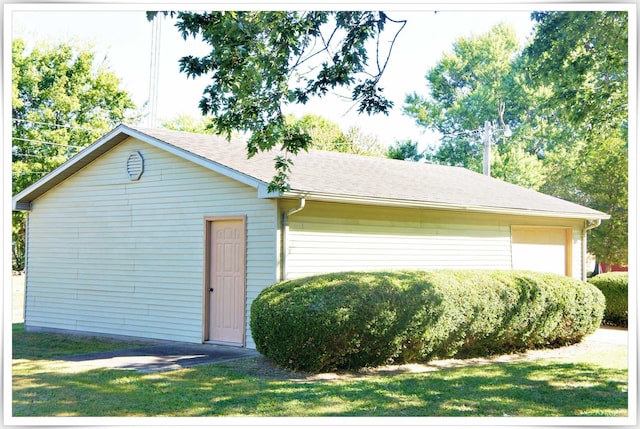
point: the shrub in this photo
(614, 287)
(356, 319)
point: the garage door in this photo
(541, 249)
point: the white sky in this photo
(122, 34)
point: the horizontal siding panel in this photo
(135, 316)
(335, 237)
(82, 307)
(43, 320)
(163, 332)
(126, 257)
(134, 258)
(59, 275)
(71, 291)
(382, 244)
(156, 195)
(139, 320)
(150, 277)
(261, 266)
(398, 228)
(390, 259)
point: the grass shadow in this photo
(514, 389)
(43, 387)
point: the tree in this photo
(327, 135)
(262, 60)
(406, 150)
(189, 124)
(475, 83)
(603, 182)
(62, 100)
(582, 57)
(361, 143)
(515, 165)
(324, 134)
(579, 61)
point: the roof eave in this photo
(389, 202)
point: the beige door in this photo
(226, 288)
(543, 249)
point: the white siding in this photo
(123, 257)
(328, 237)
(391, 238)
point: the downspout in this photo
(285, 235)
(588, 225)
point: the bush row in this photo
(357, 319)
(614, 287)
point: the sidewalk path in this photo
(162, 357)
(609, 336)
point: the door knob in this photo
(210, 289)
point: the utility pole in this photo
(154, 70)
(486, 167)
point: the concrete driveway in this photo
(615, 336)
(161, 357)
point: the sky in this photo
(121, 35)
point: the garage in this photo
(146, 217)
(545, 249)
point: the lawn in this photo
(589, 385)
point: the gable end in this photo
(22, 201)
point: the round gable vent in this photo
(135, 165)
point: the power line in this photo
(25, 155)
(53, 125)
(463, 133)
(39, 156)
(46, 142)
(154, 68)
(24, 173)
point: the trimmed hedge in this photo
(358, 319)
(614, 287)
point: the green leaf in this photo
(254, 53)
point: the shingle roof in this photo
(340, 177)
(354, 176)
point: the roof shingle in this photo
(344, 175)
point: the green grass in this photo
(43, 386)
(34, 345)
